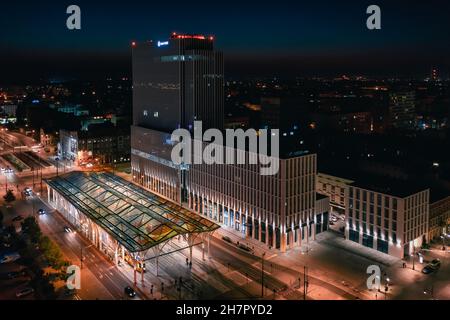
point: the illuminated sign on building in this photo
(161, 43)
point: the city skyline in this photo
(224, 151)
(258, 39)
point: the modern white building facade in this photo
(390, 224)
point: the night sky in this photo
(259, 38)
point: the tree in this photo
(43, 286)
(9, 196)
(31, 228)
(51, 252)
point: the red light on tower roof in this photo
(191, 36)
(133, 44)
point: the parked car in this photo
(68, 229)
(25, 292)
(435, 264)
(227, 239)
(16, 274)
(10, 257)
(427, 269)
(130, 292)
(41, 211)
(17, 218)
(244, 247)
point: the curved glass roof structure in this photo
(136, 218)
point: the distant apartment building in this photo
(87, 121)
(358, 122)
(439, 218)
(75, 109)
(68, 145)
(335, 188)
(402, 109)
(9, 110)
(105, 144)
(391, 221)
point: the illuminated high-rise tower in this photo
(176, 82)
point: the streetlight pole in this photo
(262, 274)
(305, 281)
(386, 287)
(41, 180)
(414, 256)
(431, 292)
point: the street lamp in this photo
(386, 287)
(262, 274)
(305, 282)
(430, 292)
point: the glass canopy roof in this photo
(136, 218)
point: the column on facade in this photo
(253, 224)
(259, 228)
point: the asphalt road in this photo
(100, 278)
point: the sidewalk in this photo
(257, 247)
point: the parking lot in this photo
(14, 277)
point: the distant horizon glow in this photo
(257, 38)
